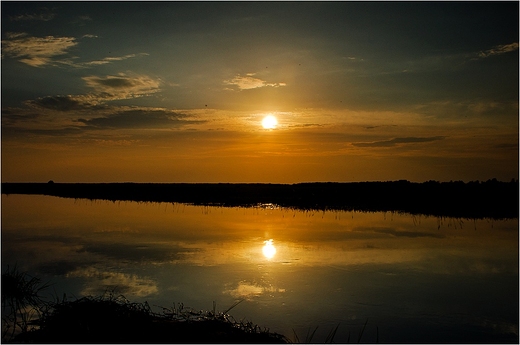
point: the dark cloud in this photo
(18, 122)
(11, 116)
(138, 118)
(45, 15)
(507, 146)
(60, 103)
(374, 127)
(108, 88)
(396, 141)
(115, 82)
(122, 86)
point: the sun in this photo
(269, 122)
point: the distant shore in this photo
(472, 200)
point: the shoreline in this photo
(473, 200)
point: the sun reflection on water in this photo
(268, 249)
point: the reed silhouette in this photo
(489, 199)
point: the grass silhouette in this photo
(110, 318)
(472, 200)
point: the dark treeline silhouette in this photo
(489, 199)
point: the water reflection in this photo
(268, 249)
(418, 279)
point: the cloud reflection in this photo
(246, 290)
(99, 282)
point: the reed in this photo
(330, 337)
(114, 319)
(110, 318)
(21, 301)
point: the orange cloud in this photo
(249, 82)
(36, 51)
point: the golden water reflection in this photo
(268, 249)
(315, 266)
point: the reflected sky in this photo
(415, 278)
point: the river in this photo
(408, 278)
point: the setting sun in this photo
(269, 122)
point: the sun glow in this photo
(269, 122)
(268, 249)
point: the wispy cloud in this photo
(108, 60)
(64, 103)
(137, 118)
(397, 141)
(42, 51)
(81, 20)
(250, 82)
(499, 49)
(77, 120)
(45, 16)
(36, 51)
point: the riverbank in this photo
(111, 319)
(473, 200)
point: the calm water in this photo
(416, 279)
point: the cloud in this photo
(64, 103)
(245, 290)
(512, 146)
(36, 51)
(110, 60)
(34, 16)
(396, 141)
(352, 58)
(103, 61)
(41, 51)
(81, 20)
(137, 118)
(11, 116)
(79, 113)
(499, 49)
(107, 88)
(249, 82)
(122, 86)
(99, 282)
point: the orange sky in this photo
(176, 92)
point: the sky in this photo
(177, 91)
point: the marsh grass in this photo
(309, 338)
(28, 318)
(22, 302)
(114, 319)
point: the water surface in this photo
(415, 279)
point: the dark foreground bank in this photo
(111, 320)
(27, 317)
(490, 199)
